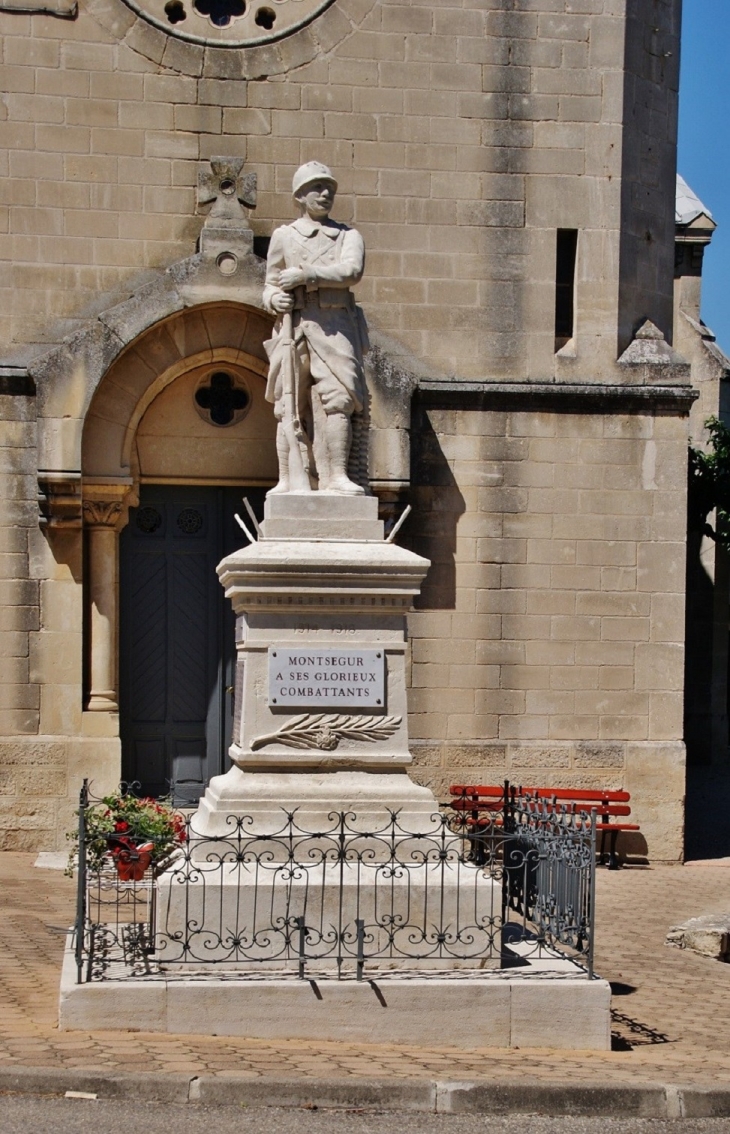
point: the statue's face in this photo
(317, 198)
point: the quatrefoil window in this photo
(221, 399)
(230, 23)
(220, 12)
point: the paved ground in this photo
(671, 1008)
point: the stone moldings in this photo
(324, 731)
(59, 500)
(160, 31)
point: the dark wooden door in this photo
(177, 649)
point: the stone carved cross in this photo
(224, 185)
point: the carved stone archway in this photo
(67, 378)
(93, 389)
(211, 335)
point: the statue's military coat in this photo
(329, 328)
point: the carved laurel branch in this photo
(326, 731)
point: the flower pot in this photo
(131, 861)
(132, 869)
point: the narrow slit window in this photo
(567, 247)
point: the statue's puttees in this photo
(316, 379)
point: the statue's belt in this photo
(325, 298)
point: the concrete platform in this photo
(500, 1009)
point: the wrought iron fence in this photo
(463, 891)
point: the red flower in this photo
(120, 825)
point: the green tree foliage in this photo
(709, 484)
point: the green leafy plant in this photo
(121, 824)
(709, 484)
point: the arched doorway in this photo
(177, 636)
(176, 434)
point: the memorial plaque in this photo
(300, 677)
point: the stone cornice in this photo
(283, 575)
(59, 500)
(562, 397)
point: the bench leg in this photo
(602, 852)
(477, 850)
(613, 862)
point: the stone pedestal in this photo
(321, 587)
(309, 874)
(320, 732)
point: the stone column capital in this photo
(106, 504)
(102, 513)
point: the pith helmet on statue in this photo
(311, 171)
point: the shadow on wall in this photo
(437, 506)
(707, 821)
(705, 713)
(707, 809)
(65, 545)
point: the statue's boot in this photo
(284, 442)
(339, 439)
(282, 452)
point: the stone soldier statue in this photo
(316, 379)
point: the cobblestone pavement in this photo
(671, 1008)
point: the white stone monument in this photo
(320, 723)
(321, 598)
(320, 730)
(321, 716)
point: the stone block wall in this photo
(547, 646)
(41, 778)
(44, 754)
(23, 811)
(548, 642)
(19, 599)
(463, 137)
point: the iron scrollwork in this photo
(345, 898)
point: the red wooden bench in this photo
(612, 807)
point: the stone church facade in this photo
(533, 304)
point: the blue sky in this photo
(704, 143)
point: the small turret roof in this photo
(688, 206)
